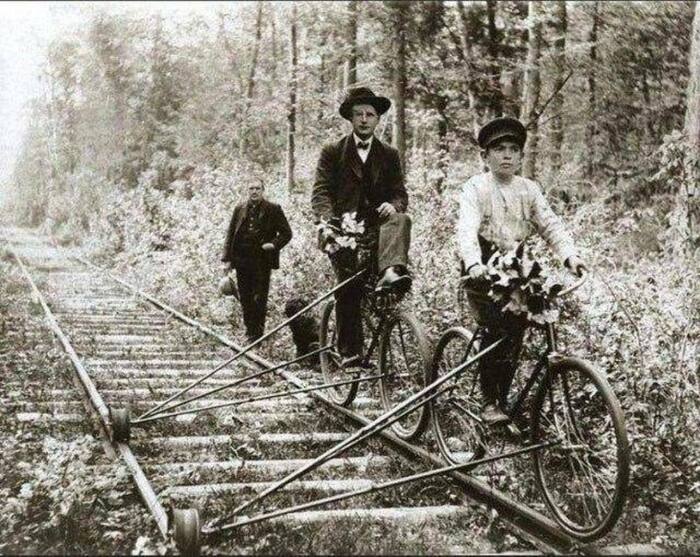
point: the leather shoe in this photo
(492, 414)
(393, 278)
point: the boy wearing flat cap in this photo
(498, 210)
(361, 174)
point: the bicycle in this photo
(403, 352)
(584, 475)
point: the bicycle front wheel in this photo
(403, 364)
(331, 367)
(456, 412)
(584, 476)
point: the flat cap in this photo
(499, 128)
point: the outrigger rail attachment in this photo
(244, 521)
(238, 402)
(409, 405)
(252, 345)
(162, 413)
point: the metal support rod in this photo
(371, 489)
(368, 430)
(229, 385)
(257, 398)
(253, 344)
(324, 458)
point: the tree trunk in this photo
(692, 121)
(443, 145)
(250, 89)
(531, 94)
(351, 57)
(558, 101)
(399, 132)
(273, 38)
(495, 93)
(592, 106)
(468, 58)
(292, 113)
(254, 58)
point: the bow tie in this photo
(362, 145)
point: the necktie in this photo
(363, 145)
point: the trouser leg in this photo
(394, 241)
(262, 289)
(497, 368)
(347, 306)
(245, 277)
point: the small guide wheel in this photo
(121, 426)
(186, 531)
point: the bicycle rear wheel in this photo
(584, 478)
(455, 413)
(331, 368)
(404, 357)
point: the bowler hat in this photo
(363, 95)
(500, 128)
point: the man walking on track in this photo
(361, 174)
(257, 232)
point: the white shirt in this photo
(506, 214)
(364, 153)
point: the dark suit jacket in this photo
(274, 229)
(338, 187)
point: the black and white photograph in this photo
(350, 277)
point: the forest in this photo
(149, 130)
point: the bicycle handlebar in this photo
(565, 292)
(576, 285)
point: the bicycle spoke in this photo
(579, 477)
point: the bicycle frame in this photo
(548, 354)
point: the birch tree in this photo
(292, 112)
(557, 134)
(531, 96)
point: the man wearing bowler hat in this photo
(498, 210)
(361, 174)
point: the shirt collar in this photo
(357, 139)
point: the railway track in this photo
(130, 350)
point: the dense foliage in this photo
(150, 130)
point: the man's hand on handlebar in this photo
(326, 233)
(386, 209)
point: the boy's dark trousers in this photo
(497, 367)
(253, 277)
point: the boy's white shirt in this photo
(506, 214)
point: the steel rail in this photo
(143, 485)
(320, 460)
(539, 529)
(380, 486)
(235, 383)
(253, 344)
(256, 399)
(411, 404)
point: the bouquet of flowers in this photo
(520, 286)
(346, 235)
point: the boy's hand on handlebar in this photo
(477, 271)
(575, 265)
